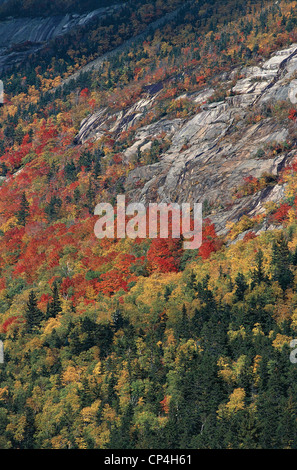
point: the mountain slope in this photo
(133, 344)
(20, 37)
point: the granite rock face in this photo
(22, 36)
(212, 152)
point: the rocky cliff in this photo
(20, 37)
(244, 134)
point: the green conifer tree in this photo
(33, 314)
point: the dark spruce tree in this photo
(183, 325)
(281, 260)
(54, 307)
(23, 213)
(258, 274)
(33, 315)
(241, 287)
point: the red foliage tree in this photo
(282, 213)
(292, 114)
(210, 240)
(164, 255)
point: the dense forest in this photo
(137, 344)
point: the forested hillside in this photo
(134, 344)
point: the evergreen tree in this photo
(167, 293)
(281, 259)
(121, 436)
(53, 208)
(241, 287)
(70, 171)
(183, 325)
(54, 307)
(118, 320)
(258, 274)
(33, 315)
(23, 213)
